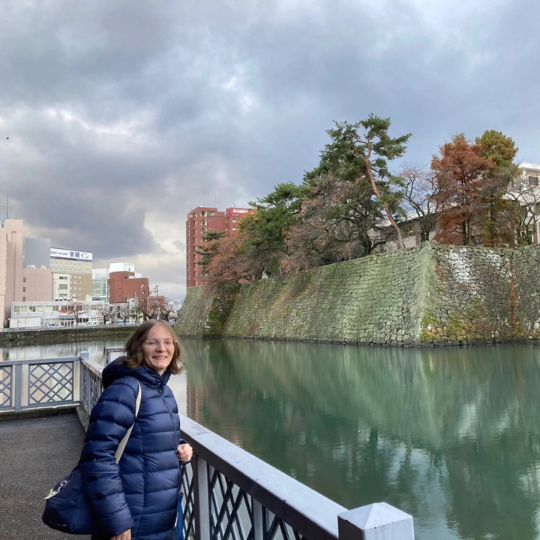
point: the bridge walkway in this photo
(35, 453)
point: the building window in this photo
(24, 280)
(533, 180)
(24, 289)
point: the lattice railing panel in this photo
(188, 503)
(49, 383)
(276, 528)
(232, 513)
(91, 389)
(6, 386)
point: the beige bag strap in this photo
(125, 438)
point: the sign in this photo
(58, 253)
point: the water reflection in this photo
(450, 435)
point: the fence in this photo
(228, 493)
(36, 384)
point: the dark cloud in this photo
(123, 115)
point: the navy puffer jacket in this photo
(141, 492)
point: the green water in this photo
(450, 435)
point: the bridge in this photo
(228, 492)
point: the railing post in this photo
(17, 386)
(258, 531)
(377, 521)
(202, 499)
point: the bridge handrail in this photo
(62, 360)
(273, 489)
(45, 383)
(223, 477)
(228, 492)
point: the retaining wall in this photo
(10, 337)
(431, 294)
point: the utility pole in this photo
(157, 307)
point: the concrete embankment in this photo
(432, 294)
(12, 337)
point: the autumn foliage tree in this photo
(232, 264)
(461, 174)
(471, 181)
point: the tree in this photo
(497, 147)
(123, 312)
(360, 153)
(106, 312)
(265, 230)
(209, 248)
(75, 309)
(337, 222)
(518, 211)
(461, 175)
(420, 198)
(501, 150)
(168, 311)
(230, 265)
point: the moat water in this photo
(450, 435)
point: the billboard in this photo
(58, 253)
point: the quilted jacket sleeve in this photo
(109, 420)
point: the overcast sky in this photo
(123, 115)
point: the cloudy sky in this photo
(123, 115)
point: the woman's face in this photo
(158, 348)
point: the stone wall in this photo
(467, 295)
(432, 294)
(10, 337)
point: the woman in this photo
(137, 498)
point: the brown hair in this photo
(134, 346)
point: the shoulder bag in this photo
(66, 508)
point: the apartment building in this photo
(25, 274)
(201, 221)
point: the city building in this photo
(201, 221)
(25, 273)
(55, 314)
(100, 284)
(72, 274)
(124, 286)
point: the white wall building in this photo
(54, 314)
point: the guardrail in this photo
(228, 492)
(38, 384)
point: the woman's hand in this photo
(126, 535)
(184, 453)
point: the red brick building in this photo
(200, 221)
(124, 285)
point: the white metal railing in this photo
(38, 384)
(228, 492)
(231, 494)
